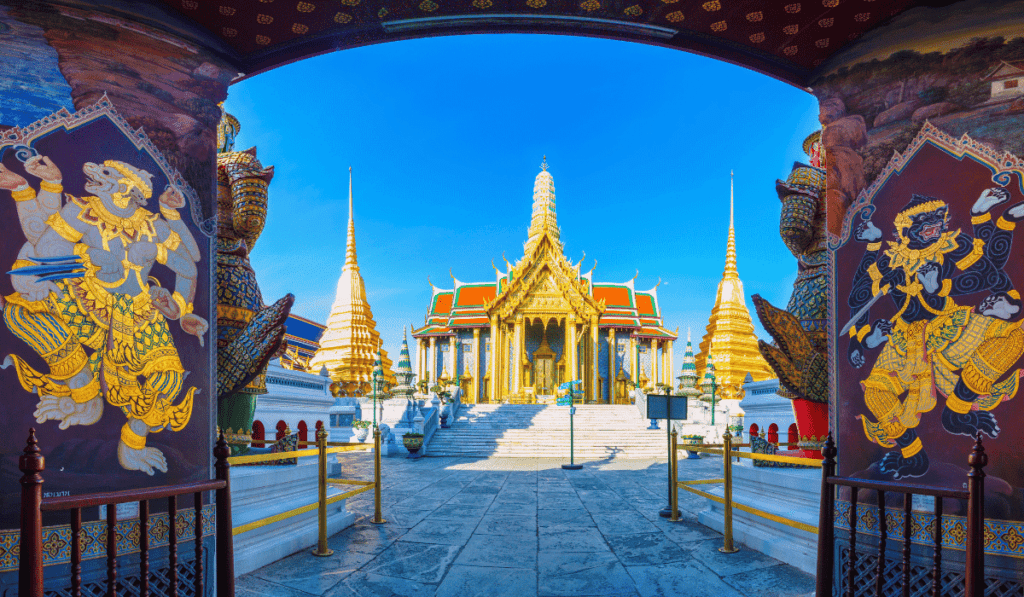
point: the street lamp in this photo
(710, 385)
(378, 374)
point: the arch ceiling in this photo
(786, 39)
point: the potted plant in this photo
(413, 442)
(692, 440)
(362, 429)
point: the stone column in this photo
(570, 347)
(595, 396)
(493, 363)
(634, 359)
(432, 361)
(475, 369)
(611, 366)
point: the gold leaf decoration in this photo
(822, 43)
(229, 32)
(343, 17)
(861, 17)
(226, 10)
(590, 5)
(482, 4)
(757, 38)
(830, 3)
(791, 29)
(712, 6)
(789, 50)
(793, 8)
(350, 2)
(262, 40)
(634, 11)
(536, 3)
(719, 26)
(755, 17)
(189, 4)
(428, 6)
(264, 19)
(299, 28)
(381, 13)
(305, 7)
(824, 23)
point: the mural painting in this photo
(105, 341)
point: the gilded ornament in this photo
(633, 11)
(789, 50)
(590, 5)
(343, 17)
(791, 29)
(229, 32)
(861, 17)
(757, 38)
(226, 10)
(382, 13)
(755, 17)
(536, 3)
(712, 6)
(262, 40)
(482, 4)
(300, 28)
(825, 23)
(719, 26)
(428, 6)
(263, 19)
(793, 8)
(305, 7)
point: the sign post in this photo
(670, 408)
(567, 400)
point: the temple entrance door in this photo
(544, 374)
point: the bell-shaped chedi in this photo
(349, 345)
(730, 338)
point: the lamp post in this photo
(710, 385)
(378, 373)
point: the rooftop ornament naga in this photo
(249, 332)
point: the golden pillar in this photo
(432, 361)
(668, 362)
(654, 364)
(594, 392)
(476, 365)
(610, 381)
(517, 356)
(634, 360)
(569, 350)
(455, 360)
(493, 363)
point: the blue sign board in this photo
(672, 408)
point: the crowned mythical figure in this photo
(248, 332)
(932, 344)
(798, 355)
(85, 302)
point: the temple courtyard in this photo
(525, 527)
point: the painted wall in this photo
(925, 191)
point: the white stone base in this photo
(261, 491)
(788, 493)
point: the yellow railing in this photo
(727, 452)
(321, 451)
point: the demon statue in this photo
(933, 345)
(798, 355)
(248, 332)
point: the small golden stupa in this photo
(348, 347)
(730, 334)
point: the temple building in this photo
(541, 323)
(730, 337)
(349, 345)
(301, 341)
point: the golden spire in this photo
(543, 220)
(730, 332)
(350, 245)
(349, 344)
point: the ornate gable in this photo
(544, 282)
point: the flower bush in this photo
(360, 424)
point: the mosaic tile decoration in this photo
(1002, 537)
(57, 539)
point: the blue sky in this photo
(446, 135)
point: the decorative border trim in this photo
(1002, 537)
(57, 539)
(62, 119)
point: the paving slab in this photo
(374, 585)
(503, 551)
(691, 579)
(313, 574)
(566, 574)
(558, 540)
(728, 564)
(622, 523)
(490, 581)
(507, 524)
(420, 562)
(441, 531)
(776, 581)
(644, 549)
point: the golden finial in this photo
(350, 245)
(544, 164)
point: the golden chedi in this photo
(730, 337)
(349, 345)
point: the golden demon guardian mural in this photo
(932, 344)
(86, 304)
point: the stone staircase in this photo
(531, 431)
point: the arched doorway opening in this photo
(794, 436)
(257, 434)
(773, 433)
(754, 429)
(282, 430)
(303, 431)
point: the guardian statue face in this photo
(118, 183)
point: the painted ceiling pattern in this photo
(783, 38)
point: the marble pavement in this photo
(526, 528)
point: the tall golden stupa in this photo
(730, 333)
(349, 345)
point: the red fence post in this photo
(974, 573)
(30, 562)
(826, 530)
(225, 540)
